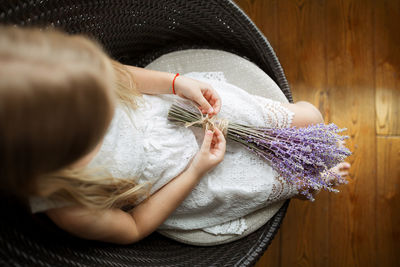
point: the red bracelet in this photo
(173, 83)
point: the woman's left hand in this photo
(201, 93)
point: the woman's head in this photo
(57, 98)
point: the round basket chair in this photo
(136, 32)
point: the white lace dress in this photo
(151, 148)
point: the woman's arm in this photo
(156, 209)
(117, 226)
(113, 225)
(158, 82)
(152, 81)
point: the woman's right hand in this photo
(211, 153)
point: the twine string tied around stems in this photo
(211, 123)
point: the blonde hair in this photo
(58, 93)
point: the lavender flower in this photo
(303, 156)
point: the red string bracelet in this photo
(173, 83)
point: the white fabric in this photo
(144, 144)
(247, 76)
(239, 185)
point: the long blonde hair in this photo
(58, 93)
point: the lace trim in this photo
(236, 227)
(281, 190)
(277, 116)
(216, 75)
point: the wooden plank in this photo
(387, 64)
(350, 74)
(264, 15)
(302, 55)
(388, 204)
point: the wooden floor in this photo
(344, 57)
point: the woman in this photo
(66, 108)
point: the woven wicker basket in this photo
(136, 32)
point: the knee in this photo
(305, 114)
(313, 115)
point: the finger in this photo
(217, 105)
(207, 93)
(345, 165)
(220, 135)
(200, 108)
(214, 140)
(205, 105)
(212, 102)
(207, 140)
(221, 143)
(213, 98)
(215, 101)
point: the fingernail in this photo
(209, 132)
(211, 110)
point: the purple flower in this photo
(303, 156)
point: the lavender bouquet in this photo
(303, 156)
